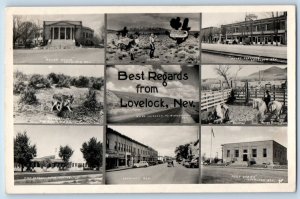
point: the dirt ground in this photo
(241, 114)
(41, 113)
(167, 51)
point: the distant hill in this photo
(272, 73)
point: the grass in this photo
(217, 175)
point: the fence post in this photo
(246, 92)
(274, 92)
(284, 97)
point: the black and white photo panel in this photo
(244, 38)
(161, 38)
(58, 94)
(240, 154)
(152, 94)
(58, 39)
(152, 155)
(244, 94)
(58, 155)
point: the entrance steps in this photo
(61, 44)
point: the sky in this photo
(234, 134)
(184, 89)
(119, 21)
(208, 71)
(94, 21)
(164, 139)
(71, 70)
(216, 20)
(51, 137)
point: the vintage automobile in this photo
(141, 164)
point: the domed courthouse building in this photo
(67, 34)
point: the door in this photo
(245, 157)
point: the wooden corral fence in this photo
(210, 99)
(246, 94)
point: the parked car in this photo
(194, 163)
(141, 164)
(186, 163)
(231, 41)
(160, 162)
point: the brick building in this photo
(123, 151)
(259, 152)
(272, 31)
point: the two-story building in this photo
(123, 151)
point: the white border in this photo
(160, 188)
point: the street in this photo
(158, 174)
(222, 53)
(221, 175)
(171, 115)
(59, 56)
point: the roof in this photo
(257, 20)
(253, 142)
(50, 157)
(77, 23)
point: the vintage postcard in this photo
(150, 99)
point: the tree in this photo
(182, 151)
(16, 29)
(223, 71)
(92, 153)
(23, 150)
(65, 153)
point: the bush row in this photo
(36, 81)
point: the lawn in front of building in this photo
(59, 56)
(221, 175)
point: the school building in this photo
(123, 151)
(260, 152)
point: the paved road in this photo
(240, 54)
(215, 175)
(208, 58)
(158, 174)
(268, 51)
(172, 115)
(74, 56)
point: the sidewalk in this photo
(252, 168)
(279, 52)
(120, 169)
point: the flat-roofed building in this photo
(123, 151)
(266, 152)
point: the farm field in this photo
(217, 175)
(166, 51)
(41, 112)
(74, 56)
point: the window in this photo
(107, 143)
(119, 147)
(116, 145)
(236, 153)
(254, 153)
(264, 152)
(228, 153)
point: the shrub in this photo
(91, 101)
(28, 96)
(60, 80)
(19, 86)
(18, 75)
(98, 83)
(38, 81)
(82, 82)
